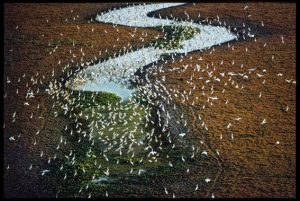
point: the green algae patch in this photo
(174, 36)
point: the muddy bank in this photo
(253, 165)
(30, 40)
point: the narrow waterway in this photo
(122, 134)
(113, 75)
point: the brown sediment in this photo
(253, 165)
(30, 55)
(250, 165)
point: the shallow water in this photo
(112, 128)
(109, 76)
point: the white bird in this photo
(229, 125)
(277, 142)
(45, 171)
(207, 180)
(196, 187)
(193, 155)
(141, 171)
(107, 171)
(237, 119)
(166, 191)
(264, 121)
(288, 80)
(259, 75)
(12, 138)
(7, 80)
(182, 159)
(287, 108)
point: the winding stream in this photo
(127, 125)
(112, 75)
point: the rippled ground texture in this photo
(31, 55)
(253, 165)
(250, 164)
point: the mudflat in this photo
(255, 159)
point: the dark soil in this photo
(250, 165)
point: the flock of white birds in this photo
(128, 127)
